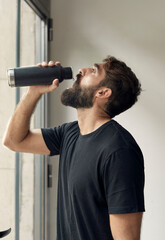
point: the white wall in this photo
(87, 31)
(7, 105)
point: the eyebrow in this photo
(98, 67)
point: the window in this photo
(23, 175)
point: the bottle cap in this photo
(11, 77)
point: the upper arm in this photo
(33, 143)
(126, 226)
(123, 179)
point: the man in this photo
(101, 169)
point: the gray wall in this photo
(87, 31)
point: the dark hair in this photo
(124, 85)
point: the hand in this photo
(41, 89)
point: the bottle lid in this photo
(11, 77)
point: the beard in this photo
(78, 97)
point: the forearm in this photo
(18, 127)
(18, 136)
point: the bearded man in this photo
(101, 167)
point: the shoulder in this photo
(69, 128)
(120, 137)
(116, 140)
(61, 130)
(66, 127)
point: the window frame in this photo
(41, 7)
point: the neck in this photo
(90, 119)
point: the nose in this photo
(82, 71)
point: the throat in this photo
(89, 122)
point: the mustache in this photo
(78, 79)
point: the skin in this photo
(89, 119)
(20, 138)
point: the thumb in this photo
(56, 82)
(54, 85)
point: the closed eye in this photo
(97, 67)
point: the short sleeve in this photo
(123, 178)
(53, 138)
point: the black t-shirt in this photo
(100, 173)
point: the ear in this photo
(103, 92)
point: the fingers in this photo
(51, 64)
(55, 83)
(58, 63)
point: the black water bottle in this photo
(28, 76)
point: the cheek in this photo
(87, 81)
